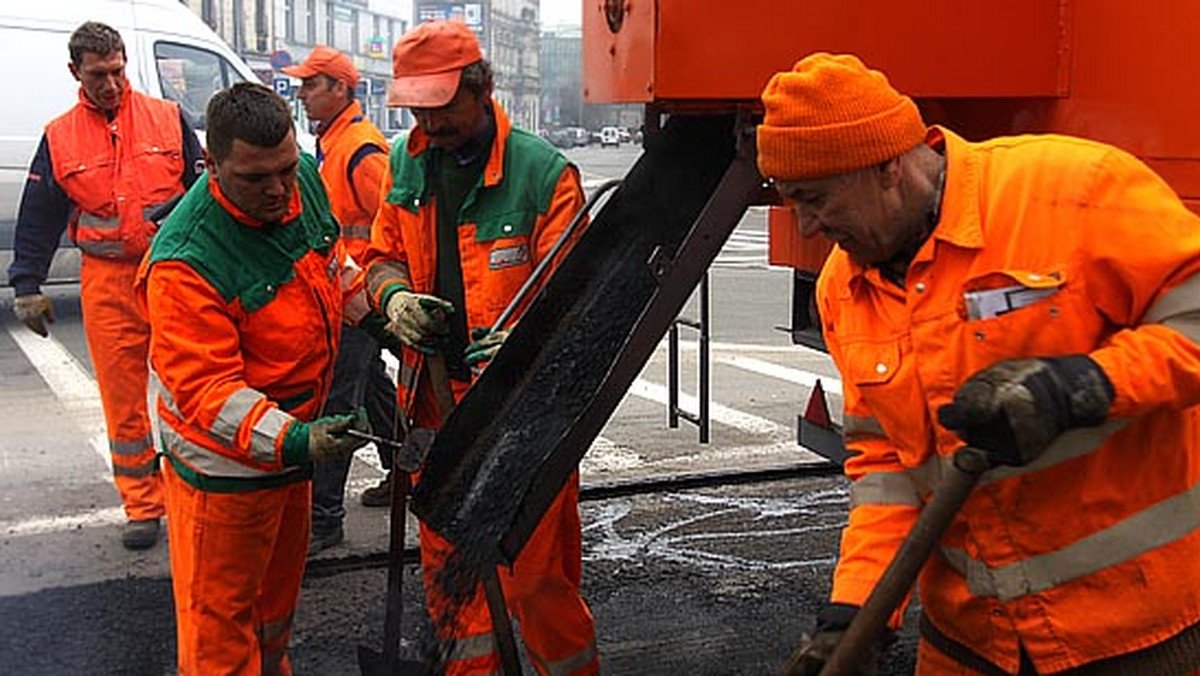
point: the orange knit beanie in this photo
(830, 114)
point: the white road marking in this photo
(791, 375)
(70, 382)
(109, 516)
(723, 415)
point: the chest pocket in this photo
(504, 238)
(1025, 313)
(871, 365)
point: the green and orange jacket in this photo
(1090, 551)
(353, 163)
(245, 320)
(525, 199)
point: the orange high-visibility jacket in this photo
(354, 191)
(116, 171)
(1090, 551)
(245, 322)
(525, 199)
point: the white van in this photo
(610, 136)
(170, 53)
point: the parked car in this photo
(610, 136)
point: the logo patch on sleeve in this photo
(508, 257)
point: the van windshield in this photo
(190, 76)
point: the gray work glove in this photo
(486, 343)
(418, 319)
(812, 653)
(35, 311)
(1015, 409)
(328, 438)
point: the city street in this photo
(715, 579)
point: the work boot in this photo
(324, 539)
(140, 534)
(379, 495)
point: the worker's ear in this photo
(889, 172)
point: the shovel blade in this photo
(373, 663)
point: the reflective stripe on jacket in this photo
(354, 199)
(525, 199)
(245, 323)
(1090, 551)
(117, 171)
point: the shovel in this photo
(870, 622)
(406, 458)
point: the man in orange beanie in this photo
(1034, 297)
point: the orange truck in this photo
(1112, 70)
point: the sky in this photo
(561, 12)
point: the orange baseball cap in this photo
(326, 61)
(427, 63)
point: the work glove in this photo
(812, 653)
(328, 437)
(35, 311)
(484, 345)
(418, 319)
(1015, 409)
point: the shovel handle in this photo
(870, 622)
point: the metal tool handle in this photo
(870, 622)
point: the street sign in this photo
(282, 85)
(281, 59)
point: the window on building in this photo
(289, 20)
(343, 28)
(190, 76)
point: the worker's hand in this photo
(418, 320)
(812, 653)
(1013, 410)
(35, 311)
(328, 437)
(484, 346)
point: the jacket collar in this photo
(214, 188)
(958, 221)
(126, 92)
(349, 115)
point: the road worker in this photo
(472, 205)
(1035, 297)
(245, 290)
(352, 157)
(101, 169)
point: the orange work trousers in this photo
(118, 339)
(237, 561)
(541, 590)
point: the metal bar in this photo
(506, 645)
(673, 376)
(702, 370)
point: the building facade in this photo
(272, 34)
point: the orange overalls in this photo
(116, 172)
(245, 324)
(524, 202)
(1089, 552)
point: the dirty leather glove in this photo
(418, 320)
(327, 437)
(486, 343)
(812, 653)
(35, 311)
(1013, 410)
